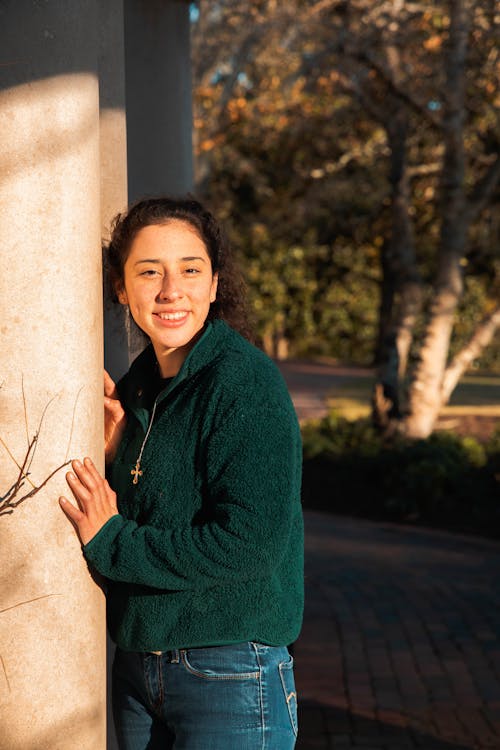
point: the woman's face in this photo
(169, 285)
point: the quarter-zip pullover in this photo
(208, 547)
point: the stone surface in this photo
(113, 158)
(52, 686)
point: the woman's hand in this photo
(96, 500)
(114, 418)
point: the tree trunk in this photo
(425, 394)
(401, 286)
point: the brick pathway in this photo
(401, 641)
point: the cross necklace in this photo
(137, 471)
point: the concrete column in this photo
(52, 629)
(113, 154)
(113, 150)
(158, 89)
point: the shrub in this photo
(446, 481)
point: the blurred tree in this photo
(464, 192)
(374, 124)
(283, 158)
(389, 65)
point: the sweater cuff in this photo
(100, 544)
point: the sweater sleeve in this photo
(253, 474)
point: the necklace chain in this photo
(137, 471)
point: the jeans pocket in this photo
(288, 684)
(236, 662)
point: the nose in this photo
(170, 288)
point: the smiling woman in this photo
(199, 531)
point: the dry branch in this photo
(471, 351)
(6, 502)
(11, 500)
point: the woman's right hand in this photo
(114, 418)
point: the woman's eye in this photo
(192, 270)
(149, 272)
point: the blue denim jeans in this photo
(239, 697)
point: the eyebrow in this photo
(157, 260)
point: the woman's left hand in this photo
(96, 500)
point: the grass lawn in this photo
(475, 395)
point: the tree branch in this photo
(7, 501)
(464, 358)
(483, 191)
(6, 504)
(397, 90)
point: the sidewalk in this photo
(311, 383)
(401, 640)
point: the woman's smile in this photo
(172, 319)
(172, 316)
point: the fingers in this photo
(88, 471)
(74, 514)
(97, 502)
(114, 407)
(82, 481)
(86, 482)
(98, 480)
(109, 386)
(112, 404)
(89, 487)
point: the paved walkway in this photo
(310, 383)
(401, 641)
(400, 646)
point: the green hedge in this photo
(445, 481)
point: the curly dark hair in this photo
(231, 303)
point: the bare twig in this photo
(72, 423)
(6, 504)
(2, 663)
(16, 463)
(28, 601)
(10, 500)
(24, 470)
(25, 412)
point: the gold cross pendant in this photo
(137, 473)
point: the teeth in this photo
(172, 316)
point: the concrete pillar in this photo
(113, 154)
(52, 644)
(113, 150)
(158, 89)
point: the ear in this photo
(213, 290)
(121, 294)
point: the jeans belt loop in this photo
(173, 656)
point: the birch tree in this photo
(461, 205)
(383, 60)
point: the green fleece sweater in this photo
(208, 547)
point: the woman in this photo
(199, 531)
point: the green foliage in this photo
(334, 436)
(292, 107)
(475, 302)
(493, 445)
(446, 481)
(320, 298)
